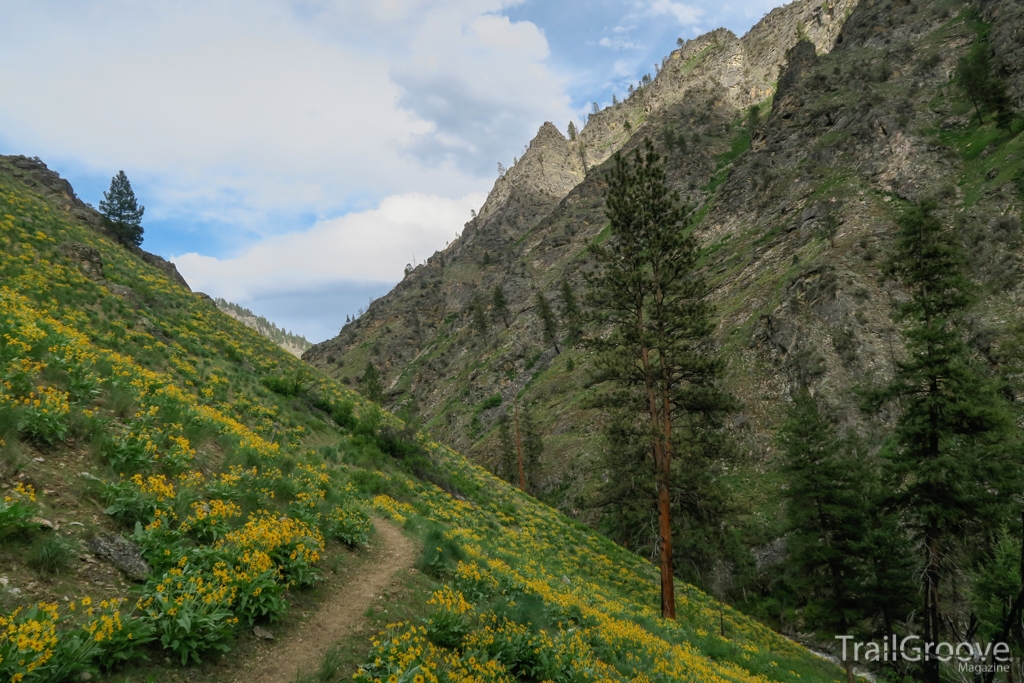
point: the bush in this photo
(16, 511)
(349, 525)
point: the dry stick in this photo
(519, 450)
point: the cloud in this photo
(686, 15)
(368, 247)
(618, 43)
(259, 112)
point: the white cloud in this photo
(618, 43)
(369, 246)
(247, 110)
(686, 15)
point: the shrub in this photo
(349, 525)
(17, 510)
(191, 612)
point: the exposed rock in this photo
(163, 265)
(122, 553)
(262, 633)
(85, 257)
(126, 293)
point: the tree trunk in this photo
(931, 605)
(519, 452)
(668, 594)
(848, 665)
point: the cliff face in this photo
(795, 215)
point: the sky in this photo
(295, 156)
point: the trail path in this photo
(339, 615)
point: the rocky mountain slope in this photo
(294, 344)
(857, 116)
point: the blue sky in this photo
(294, 156)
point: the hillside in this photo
(294, 344)
(857, 117)
(172, 479)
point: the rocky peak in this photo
(548, 167)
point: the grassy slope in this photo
(159, 383)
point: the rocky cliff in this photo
(858, 116)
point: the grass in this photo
(52, 554)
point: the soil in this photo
(303, 647)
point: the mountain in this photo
(174, 484)
(857, 115)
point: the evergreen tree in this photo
(533, 448)
(508, 460)
(547, 321)
(370, 384)
(476, 310)
(571, 315)
(499, 305)
(572, 131)
(949, 462)
(647, 293)
(977, 76)
(826, 508)
(122, 211)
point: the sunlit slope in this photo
(236, 468)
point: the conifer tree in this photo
(122, 211)
(976, 75)
(572, 131)
(826, 508)
(508, 460)
(570, 310)
(649, 297)
(949, 461)
(370, 384)
(547, 321)
(476, 310)
(533, 448)
(499, 305)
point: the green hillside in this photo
(132, 407)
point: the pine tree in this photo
(825, 513)
(571, 315)
(649, 297)
(949, 462)
(499, 305)
(370, 384)
(508, 462)
(476, 310)
(533, 448)
(122, 211)
(547, 321)
(572, 131)
(977, 76)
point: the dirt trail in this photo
(339, 615)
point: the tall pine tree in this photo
(827, 511)
(949, 461)
(648, 301)
(547, 321)
(122, 211)
(499, 305)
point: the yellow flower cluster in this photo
(392, 508)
